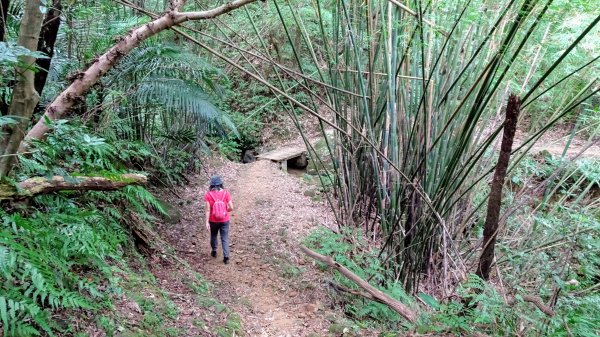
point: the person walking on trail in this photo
(218, 205)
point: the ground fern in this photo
(59, 254)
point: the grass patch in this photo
(206, 302)
(233, 327)
(199, 323)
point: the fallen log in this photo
(373, 293)
(41, 185)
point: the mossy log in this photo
(42, 185)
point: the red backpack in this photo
(218, 210)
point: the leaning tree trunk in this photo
(100, 66)
(373, 293)
(46, 44)
(490, 230)
(24, 97)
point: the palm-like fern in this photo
(166, 99)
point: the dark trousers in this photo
(223, 228)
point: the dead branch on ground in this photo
(373, 293)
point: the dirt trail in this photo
(555, 141)
(268, 283)
(556, 147)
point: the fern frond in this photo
(182, 103)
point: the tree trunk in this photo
(3, 11)
(42, 185)
(46, 44)
(65, 100)
(70, 26)
(24, 97)
(490, 230)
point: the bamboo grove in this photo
(415, 93)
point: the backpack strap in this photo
(214, 198)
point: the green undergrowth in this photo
(489, 312)
(549, 247)
(144, 308)
(68, 260)
(140, 307)
(351, 249)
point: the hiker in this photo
(218, 205)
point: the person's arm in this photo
(229, 203)
(207, 213)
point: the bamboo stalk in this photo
(379, 74)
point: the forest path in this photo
(555, 142)
(268, 283)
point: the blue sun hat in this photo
(216, 181)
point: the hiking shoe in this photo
(213, 253)
(226, 260)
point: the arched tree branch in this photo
(101, 65)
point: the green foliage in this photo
(6, 120)
(171, 166)
(578, 316)
(486, 309)
(10, 54)
(71, 149)
(228, 147)
(167, 90)
(532, 169)
(552, 245)
(483, 311)
(54, 259)
(249, 107)
(488, 313)
(58, 254)
(164, 96)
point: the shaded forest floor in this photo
(268, 284)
